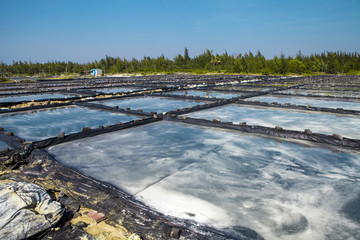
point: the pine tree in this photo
(186, 56)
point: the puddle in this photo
(208, 94)
(225, 179)
(38, 125)
(152, 104)
(309, 101)
(344, 125)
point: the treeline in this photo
(326, 62)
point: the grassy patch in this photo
(6, 80)
(353, 72)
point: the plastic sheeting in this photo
(25, 210)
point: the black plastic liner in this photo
(10, 139)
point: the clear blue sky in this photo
(85, 30)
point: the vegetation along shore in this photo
(248, 63)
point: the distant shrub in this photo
(353, 72)
(266, 71)
(27, 81)
(6, 80)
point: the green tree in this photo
(179, 62)
(186, 56)
(296, 66)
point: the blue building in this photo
(96, 72)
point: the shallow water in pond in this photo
(345, 125)
(309, 101)
(226, 179)
(114, 90)
(208, 94)
(245, 88)
(322, 93)
(152, 104)
(38, 125)
(32, 97)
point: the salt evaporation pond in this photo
(42, 124)
(114, 90)
(246, 88)
(151, 104)
(345, 125)
(21, 98)
(309, 101)
(226, 179)
(208, 94)
(322, 93)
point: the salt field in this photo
(151, 104)
(208, 94)
(225, 179)
(165, 166)
(345, 125)
(309, 101)
(38, 125)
